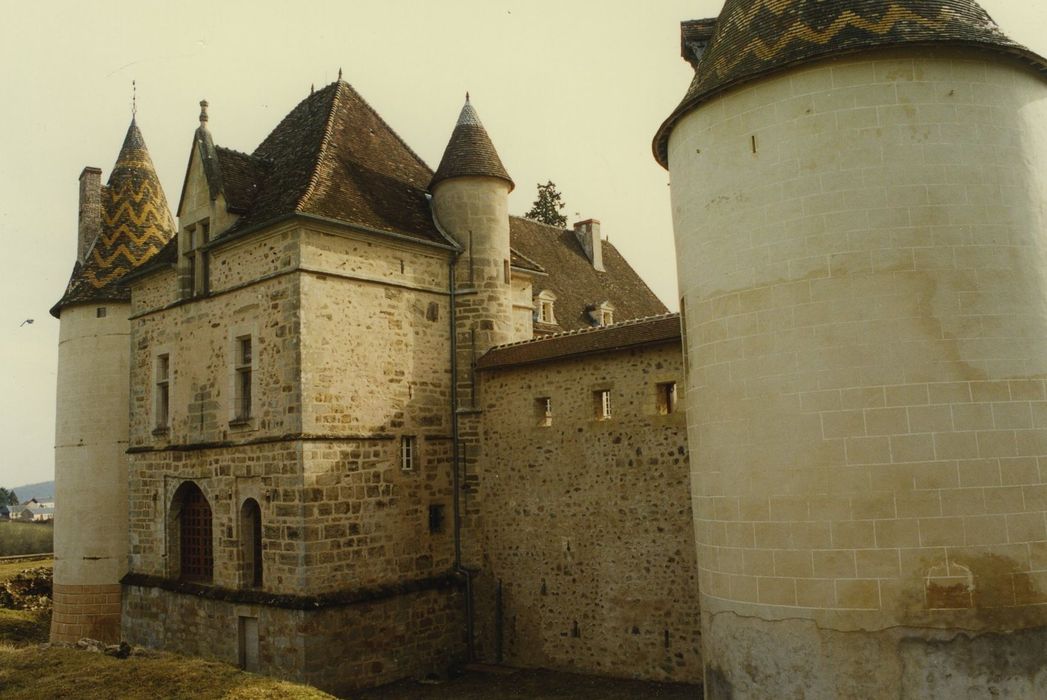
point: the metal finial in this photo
(339, 75)
(312, 88)
(203, 112)
(466, 95)
(134, 100)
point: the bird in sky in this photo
(28, 320)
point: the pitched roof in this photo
(643, 331)
(470, 151)
(758, 37)
(333, 156)
(574, 281)
(136, 224)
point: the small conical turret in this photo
(470, 151)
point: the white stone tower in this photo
(470, 192)
(121, 226)
(858, 195)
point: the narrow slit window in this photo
(244, 376)
(543, 411)
(407, 453)
(163, 390)
(602, 404)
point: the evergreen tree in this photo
(12, 498)
(548, 206)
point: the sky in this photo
(570, 91)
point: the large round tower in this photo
(858, 194)
(122, 225)
(470, 199)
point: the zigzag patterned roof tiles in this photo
(136, 224)
(754, 38)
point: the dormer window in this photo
(543, 307)
(602, 314)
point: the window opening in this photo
(163, 390)
(407, 453)
(543, 411)
(194, 528)
(243, 377)
(602, 404)
(666, 398)
(101, 312)
(436, 518)
(251, 542)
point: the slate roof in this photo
(470, 151)
(619, 336)
(332, 156)
(574, 281)
(136, 224)
(754, 38)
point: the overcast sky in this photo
(569, 91)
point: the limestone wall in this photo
(338, 648)
(586, 523)
(860, 246)
(90, 469)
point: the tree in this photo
(12, 498)
(8, 498)
(547, 207)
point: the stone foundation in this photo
(86, 611)
(338, 647)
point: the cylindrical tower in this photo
(470, 198)
(122, 226)
(858, 195)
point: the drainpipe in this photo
(456, 452)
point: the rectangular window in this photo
(101, 312)
(602, 404)
(436, 518)
(543, 411)
(196, 258)
(407, 453)
(243, 378)
(163, 390)
(666, 398)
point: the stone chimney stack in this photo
(90, 223)
(588, 234)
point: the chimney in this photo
(588, 234)
(90, 223)
(694, 37)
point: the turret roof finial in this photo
(134, 100)
(339, 75)
(466, 95)
(203, 113)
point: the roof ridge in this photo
(392, 131)
(325, 141)
(583, 331)
(540, 223)
(241, 153)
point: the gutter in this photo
(456, 456)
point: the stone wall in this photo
(587, 523)
(338, 648)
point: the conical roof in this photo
(754, 38)
(470, 151)
(136, 224)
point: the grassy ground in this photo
(10, 568)
(25, 538)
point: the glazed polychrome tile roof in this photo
(754, 38)
(470, 151)
(620, 336)
(136, 224)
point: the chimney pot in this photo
(588, 234)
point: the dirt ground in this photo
(508, 684)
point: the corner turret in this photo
(122, 225)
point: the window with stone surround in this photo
(162, 400)
(191, 516)
(602, 404)
(244, 375)
(543, 411)
(251, 543)
(666, 397)
(194, 277)
(543, 307)
(408, 453)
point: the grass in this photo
(9, 568)
(25, 538)
(31, 673)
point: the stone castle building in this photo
(350, 421)
(858, 192)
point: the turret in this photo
(858, 205)
(470, 198)
(121, 226)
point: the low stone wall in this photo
(336, 647)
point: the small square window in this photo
(407, 452)
(101, 312)
(543, 411)
(602, 404)
(666, 398)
